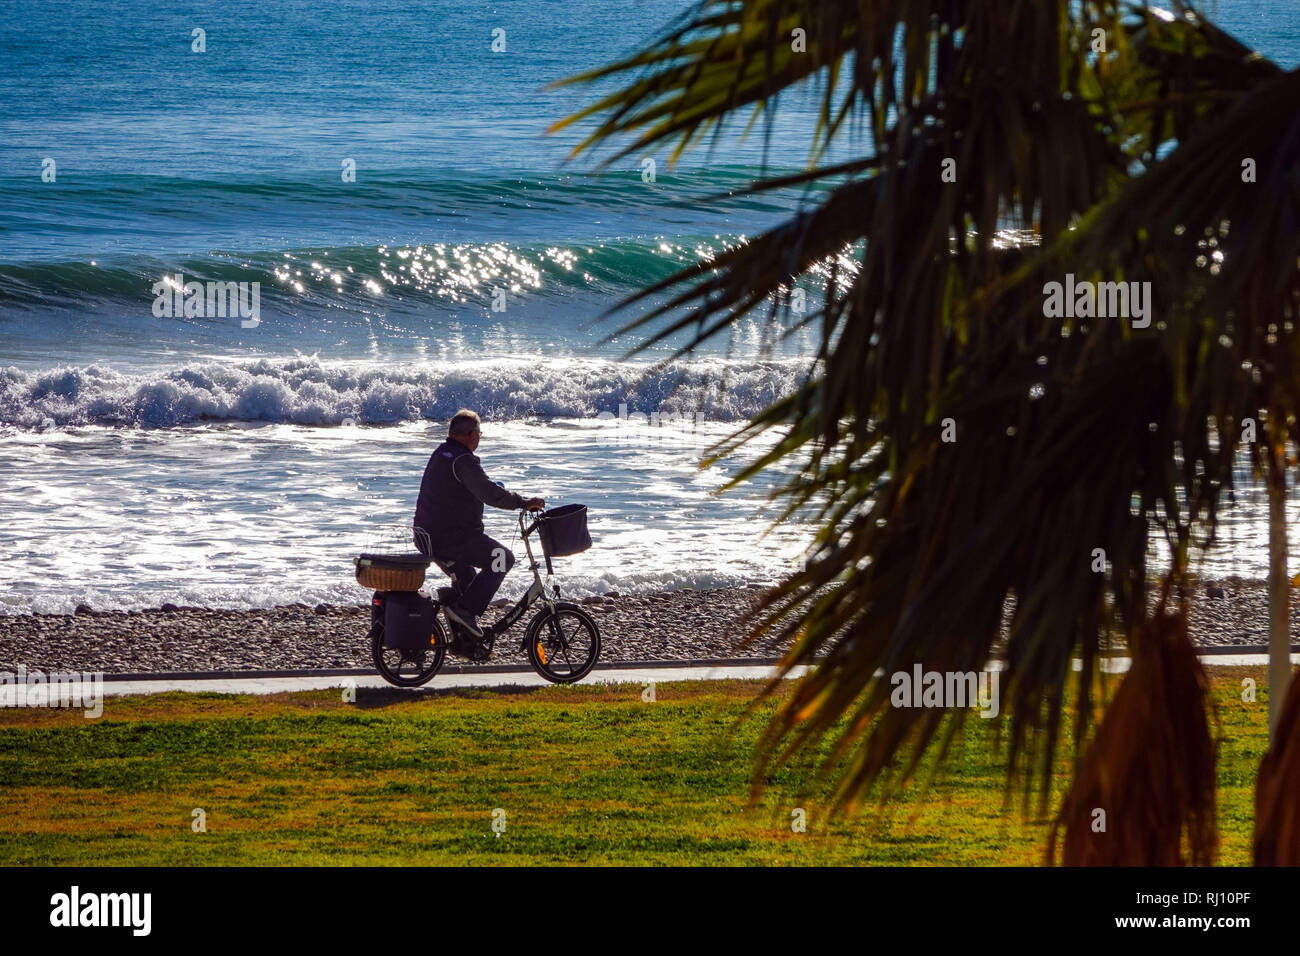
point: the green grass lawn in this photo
(587, 774)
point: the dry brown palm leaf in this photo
(1144, 793)
(1277, 791)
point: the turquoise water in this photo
(228, 164)
(235, 465)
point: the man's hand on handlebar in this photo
(534, 504)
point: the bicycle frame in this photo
(536, 591)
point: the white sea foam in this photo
(226, 515)
(307, 391)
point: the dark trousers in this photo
(479, 564)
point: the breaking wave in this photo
(308, 391)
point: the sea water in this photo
(420, 244)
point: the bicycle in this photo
(562, 640)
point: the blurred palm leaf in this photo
(1144, 794)
(1074, 437)
(1277, 812)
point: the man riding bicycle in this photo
(449, 520)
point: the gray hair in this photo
(464, 422)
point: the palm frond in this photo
(1075, 437)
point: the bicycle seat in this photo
(424, 541)
(448, 568)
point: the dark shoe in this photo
(464, 620)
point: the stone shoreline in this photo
(677, 625)
(669, 625)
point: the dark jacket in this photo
(453, 493)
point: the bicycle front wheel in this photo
(563, 643)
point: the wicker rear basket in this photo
(391, 572)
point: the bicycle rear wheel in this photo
(408, 668)
(563, 644)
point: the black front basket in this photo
(563, 531)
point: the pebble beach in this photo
(678, 625)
